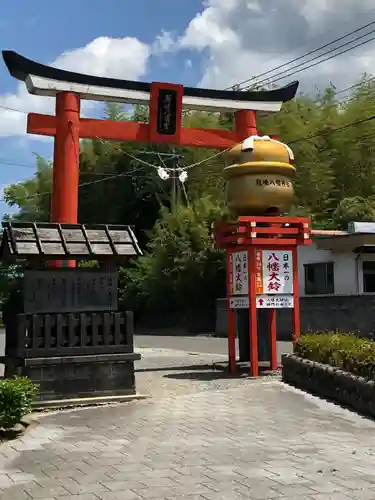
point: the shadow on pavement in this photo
(213, 373)
(174, 368)
(199, 375)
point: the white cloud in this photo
(208, 30)
(164, 43)
(112, 57)
(242, 38)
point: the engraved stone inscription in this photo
(69, 291)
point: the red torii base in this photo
(251, 234)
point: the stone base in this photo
(77, 377)
(329, 382)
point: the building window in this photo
(368, 270)
(319, 279)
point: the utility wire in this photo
(6, 161)
(365, 92)
(88, 183)
(338, 129)
(303, 56)
(299, 68)
(8, 108)
(148, 164)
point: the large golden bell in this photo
(259, 177)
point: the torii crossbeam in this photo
(166, 102)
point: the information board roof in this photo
(27, 240)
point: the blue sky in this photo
(42, 30)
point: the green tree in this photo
(180, 272)
(33, 196)
(356, 209)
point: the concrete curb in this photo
(331, 383)
(62, 404)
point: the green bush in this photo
(16, 398)
(343, 350)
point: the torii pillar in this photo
(66, 159)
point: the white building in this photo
(338, 262)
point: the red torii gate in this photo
(165, 101)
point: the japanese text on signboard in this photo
(258, 272)
(277, 270)
(240, 280)
(275, 301)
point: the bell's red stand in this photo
(251, 234)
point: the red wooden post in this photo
(296, 309)
(273, 339)
(66, 161)
(245, 124)
(253, 328)
(231, 318)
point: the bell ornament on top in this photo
(259, 176)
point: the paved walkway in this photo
(201, 437)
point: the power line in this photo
(353, 86)
(304, 55)
(299, 68)
(338, 129)
(341, 91)
(366, 92)
(87, 183)
(215, 155)
(8, 108)
(6, 161)
(82, 184)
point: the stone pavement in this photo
(201, 437)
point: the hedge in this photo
(16, 398)
(342, 350)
